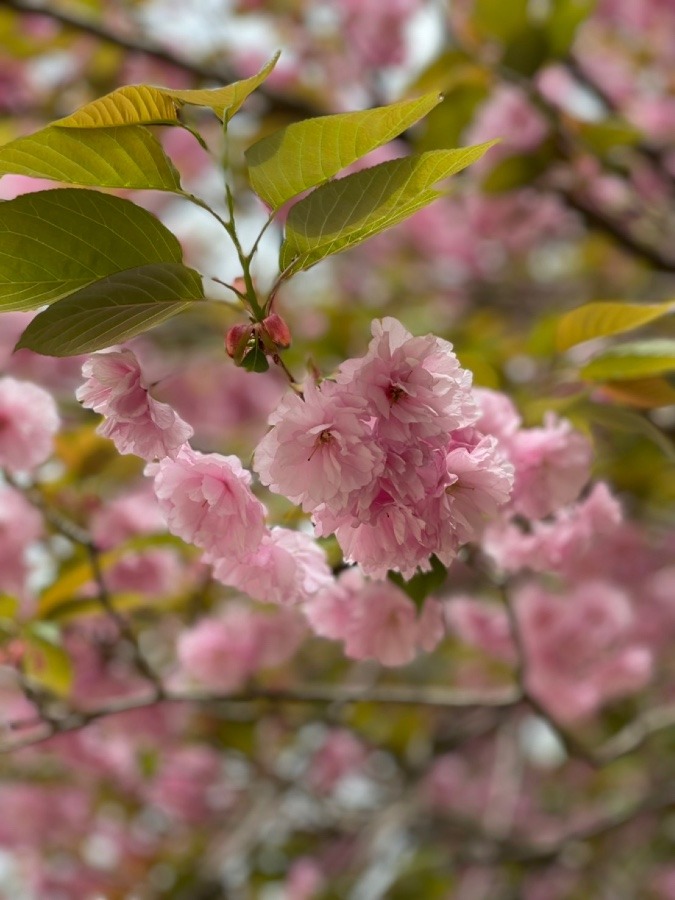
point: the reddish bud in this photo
(236, 340)
(278, 330)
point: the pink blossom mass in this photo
(134, 421)
(28, 422)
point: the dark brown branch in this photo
(219, 74)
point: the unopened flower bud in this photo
(236, 340)
(278, 330)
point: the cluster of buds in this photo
(249, 345)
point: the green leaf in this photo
(113, 310)
(53, 243)
(255, 360)
(226, 101)
(45, 663)
(143, 104)
(9, 606)
(616, 418)
(638, 359)
(603, 137)
(348, 211)
(594, 320)
(122, 157)
(501, 19)
(305, 154)
(563, 21)
(422, 584)
(518, 170)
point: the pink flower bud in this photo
(236, 340)
(278, 330)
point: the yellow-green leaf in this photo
(8, 606)
(143, 104)
(637, 359)
(53, 243)
(352, 209)
(45, 663)
(120, 157)
(113, 310)
(596, 320)
(305, 154)
(643, 393)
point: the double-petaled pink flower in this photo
(134, 421)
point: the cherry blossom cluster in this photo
(386, 455)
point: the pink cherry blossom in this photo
(560, 544)
(123, 517)
(415, 386)
(481, 624)
(134, 421)
(552, 465)
(28, 422)
(20, 526)
(224, 652)
(376, 620)
(207, 501)
(320, 448)
(480, 482)
(580, 647)
(287, 568)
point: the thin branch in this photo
(432, 697)
(71, 530)
(219, 74)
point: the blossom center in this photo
(324, 437)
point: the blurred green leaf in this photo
(528, 50)
(352, 209)
(45, 663)
(637, 359)
(8, 606)
(594, 320)
(113, 310)
(57, 242)
(305, 154)
(564, 19)
(603, 137)
(501, 19)
(617, 418)
(123, 157)
(644, 393)
(518, 170)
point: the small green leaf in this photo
(305, 154)
(352, 209)
(638, 359)
(596, 320)
(113, 310)
(226, 101)
(45, 663)
(142, 104)
(422, 584)
(122, 157)
(53, 243)
(255, 360)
